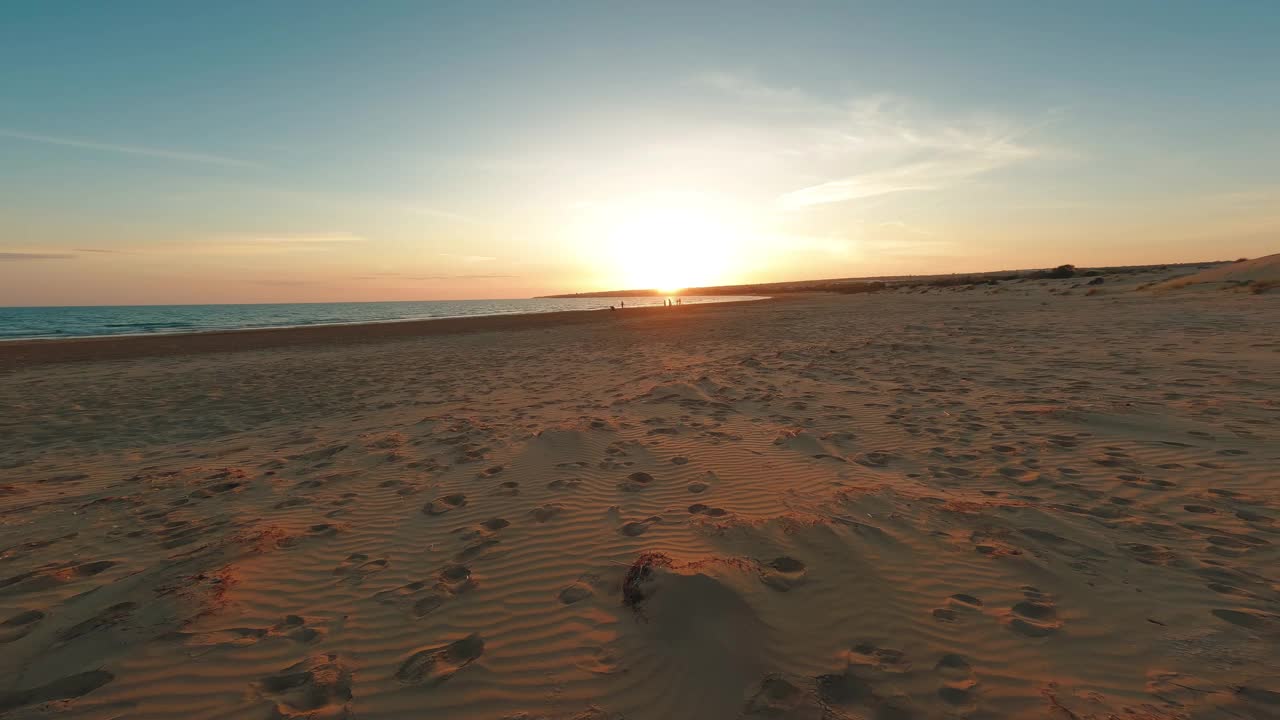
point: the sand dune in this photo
(1010, 502)
(1259, 273)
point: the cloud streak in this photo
(138, 150)
(401, 276)
(319, 239)
(749, 89)
(268, 244)
(925, 175)
(468, 258)
(25, 256)
(442, 214)
(876, 145)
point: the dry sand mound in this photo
(1263, 272)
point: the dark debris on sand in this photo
(640, 571)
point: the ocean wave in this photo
(156, 325)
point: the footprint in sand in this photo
(52, 575)
(565, 484)
(636, 528)
(1036, 616)
(66, 688)
(783, 573)
(636, 482)
(874, 459)
(511, 488)
(603, 661)
(698, 487)
(17, 626)
(872, 656)
(992, 543)
(490, 471)
(291, 627)
(108, 617)
(442, 505)
(700, 509)
(427, 604)
(545, 512)
(322, 530)
(423, 603)
(779, 697)
(1152, 554)
(456, 579)
(436, 665)
(1250, 619)
(845, 689)
(319, 686)
(955, 606)
(358, 566)
(575, 593)
(958, 680)
(480, 537)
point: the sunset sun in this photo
(670, 247)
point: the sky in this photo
(333, 151)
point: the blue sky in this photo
(330, 151)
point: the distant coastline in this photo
(845, 284)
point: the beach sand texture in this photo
(985, 503)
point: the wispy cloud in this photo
(308, 239)
(745, 87)
(269, 244)
(163, 153)
(24, 256)
(468, 258)
(284, 283)
(404, 276)
(902, 153)
(924, 175)
(442, 214)
(102, 250)
(880, 144)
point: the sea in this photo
(22, 323)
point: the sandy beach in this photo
(1020, 501)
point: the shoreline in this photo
(38, 351)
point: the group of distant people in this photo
(665, 303)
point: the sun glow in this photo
(669, 245)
